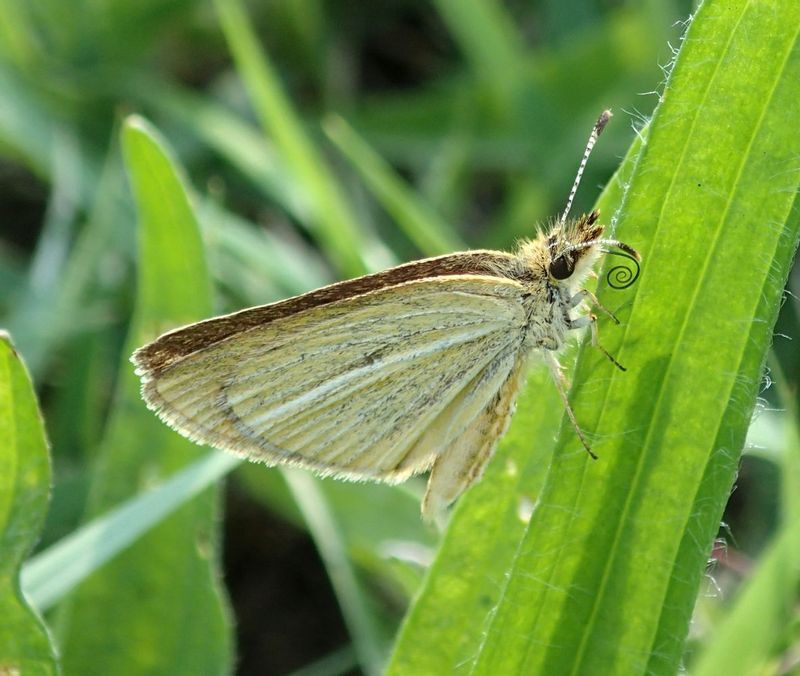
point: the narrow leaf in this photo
(431, 234)
(333, 219)
(52, 573)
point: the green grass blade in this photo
(607, 574)
(239, 141)
(490, 41)
(423, 226)
(327, 536)
(167, 614)
(24, 491)
(333, 219)
(54, 572)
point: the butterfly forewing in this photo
(352, 387)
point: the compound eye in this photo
(562, 267)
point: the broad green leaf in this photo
(157, 608)
(606, 573)
(24, 490)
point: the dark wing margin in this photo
(174, 345)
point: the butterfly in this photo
(413, 369)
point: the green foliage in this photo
(759, 625)
(157, 607)
(24, 489)
(329, 212)
(50, 575)
(325, 140)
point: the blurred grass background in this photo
(467, 116)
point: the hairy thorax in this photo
(546, 306)
(546, 301)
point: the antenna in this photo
(601, 123)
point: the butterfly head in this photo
(571, 248)
(574, 246)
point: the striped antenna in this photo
(601, 123)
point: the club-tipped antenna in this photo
(601, 123)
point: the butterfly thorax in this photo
(547, 311)
(552, 268)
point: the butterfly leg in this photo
(591, 321)
(583, 294)
(558, 379)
